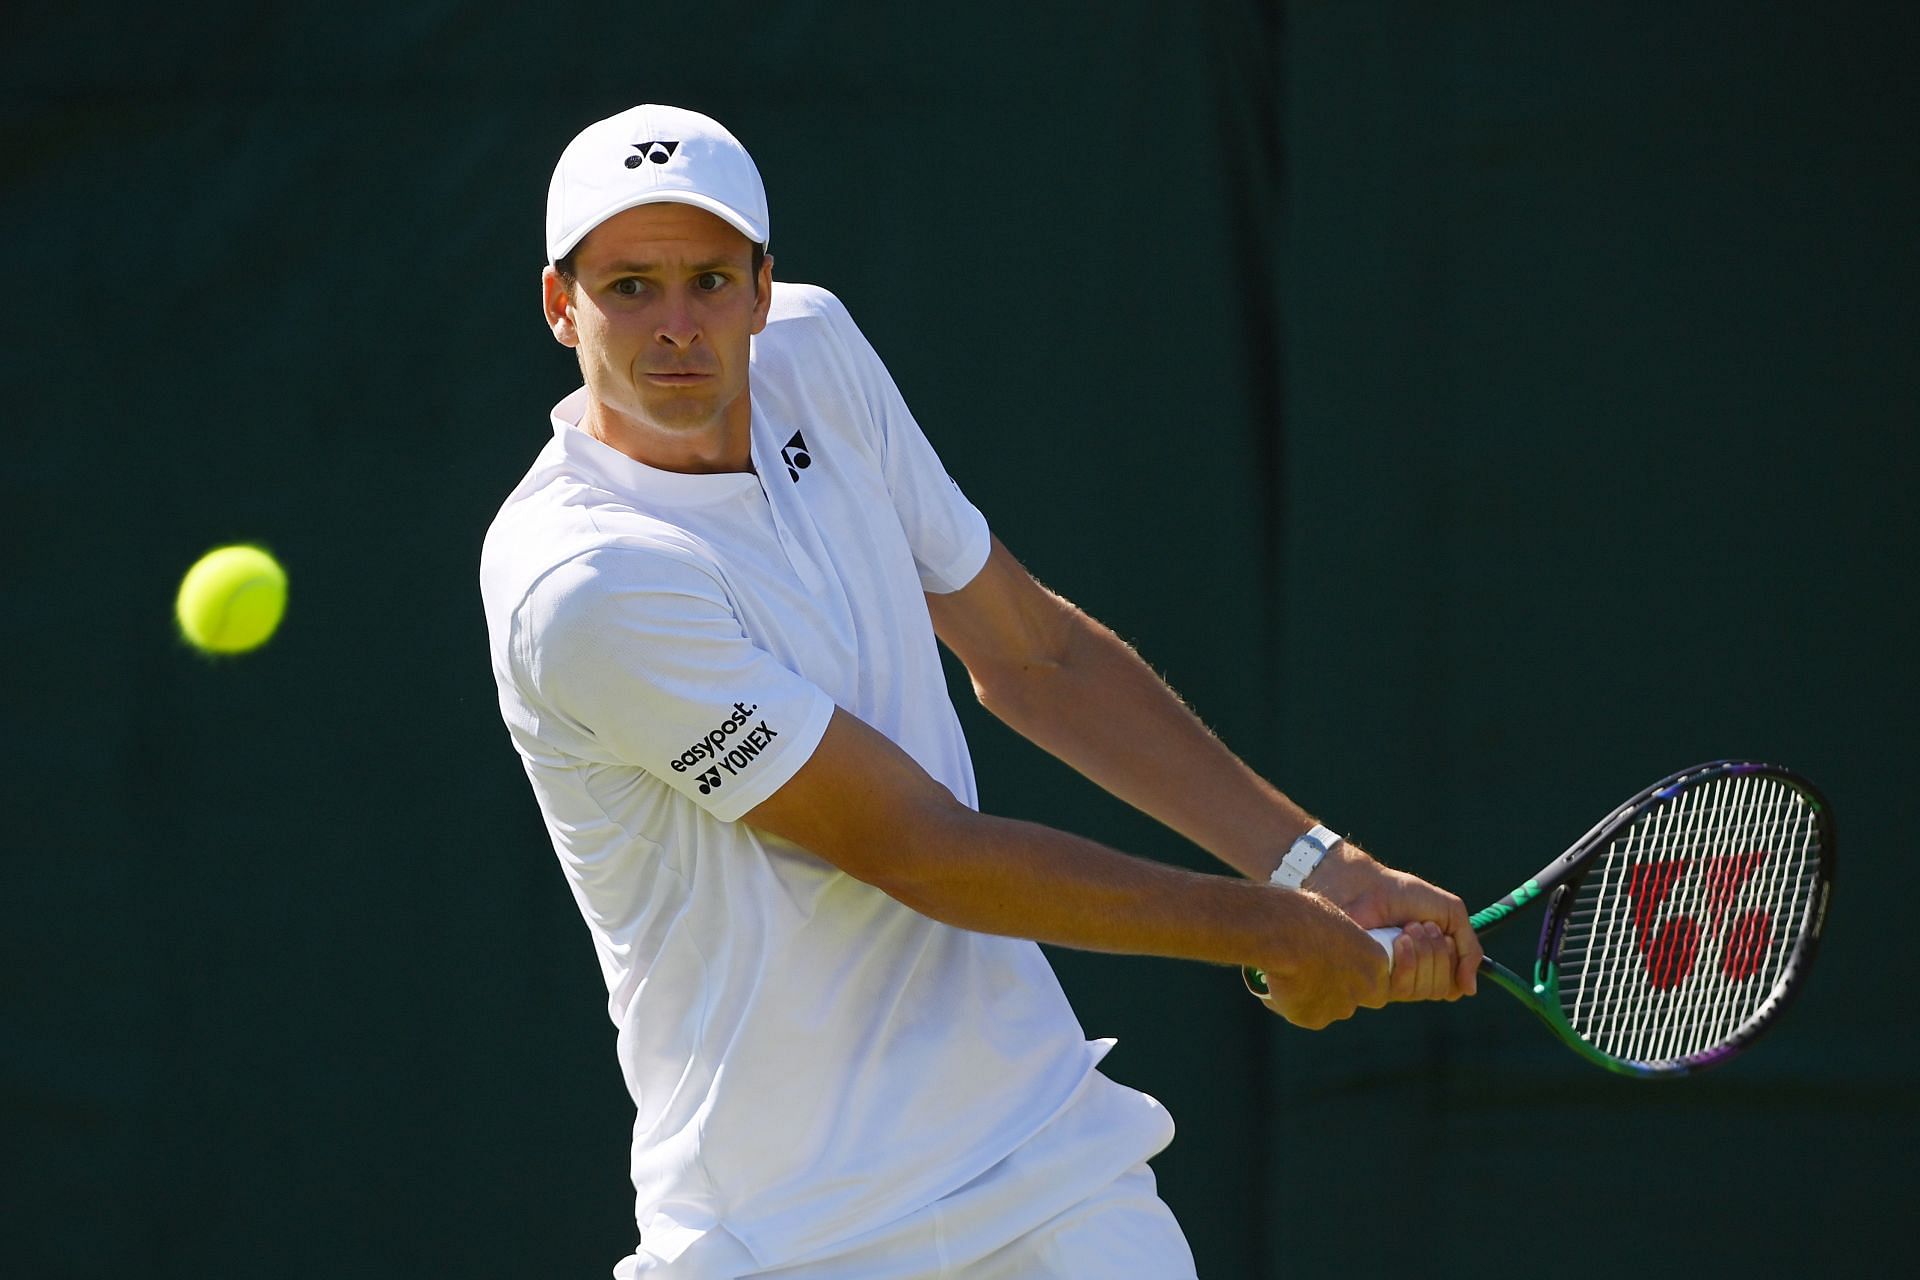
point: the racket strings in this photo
(1685, 928)
(1679, 924)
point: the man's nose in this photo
(678, 326)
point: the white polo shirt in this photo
(809, 1059)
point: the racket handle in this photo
(1385, 938)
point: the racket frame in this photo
(1558, 879)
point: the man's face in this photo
(664, 305)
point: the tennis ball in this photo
(231, 600)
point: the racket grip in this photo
(1385, 938)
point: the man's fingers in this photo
(1467, 943)
(1412, 964)
(1436, 963)
(1424, 964)
(1406, 968)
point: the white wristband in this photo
(1303, 857)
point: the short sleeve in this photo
(948, 534)
(640, 652)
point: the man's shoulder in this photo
(812, 351)
(794, 302)
(805, 324)
(565, 520)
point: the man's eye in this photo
(708, 281)
(627, 287)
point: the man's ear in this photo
(763, 295)
(556, 299)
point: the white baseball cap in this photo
(652, 155)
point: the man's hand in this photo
(1438, 963)
(1326, 968)
(1425, 965)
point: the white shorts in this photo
(1122, 1232)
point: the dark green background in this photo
(1477, 410)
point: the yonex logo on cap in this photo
(658, 152)
(664, 153)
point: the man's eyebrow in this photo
(655, 268)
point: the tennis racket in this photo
(1680, 927)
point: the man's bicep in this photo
(861, 803)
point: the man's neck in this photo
(725, 446)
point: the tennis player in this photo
(713, 604)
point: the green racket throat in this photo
(1543, 998)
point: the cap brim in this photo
(726, 213)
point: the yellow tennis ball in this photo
(231, 600)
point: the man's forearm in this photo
(864, 805)
(1005, 876)
(1101, 709)
(997, 875)
(867, 807)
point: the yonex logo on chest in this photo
(656, 152)
(794, 454)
